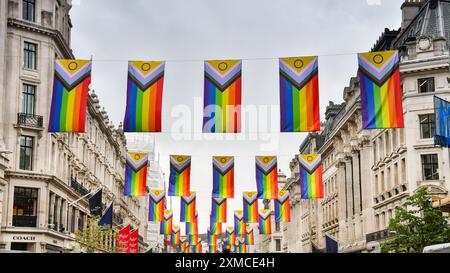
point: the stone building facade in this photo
(367, 174)
(44, 176)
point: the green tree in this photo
(95, 239)
(416, 225)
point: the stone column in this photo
(356, 181)
(342, 214)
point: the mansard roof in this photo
(432, 20)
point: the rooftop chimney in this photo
(410, 8)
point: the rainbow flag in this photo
(223, 177)
(243, 248)
(188, 208)
(212, 239)
(222, 97)
(136, 174)
(166, 225)
(267, 177)
(250, 205)
(249, 236)
(198, 249)
(265, 225)
(282, 207)
(381, 91)
(213, 249)
(184, 244)
(193, 239)
(175, 238)
(231, 236)
(180, 175)
(192, 227)
(156, 205)
(215, 228)
(219, 210)
(299, 94)
(239, 224)
(311, 185)
(70, 92)
(144, 96)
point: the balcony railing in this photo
(28, 120)
(24, 221)
(379, 235)
(78, 187)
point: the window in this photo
(430, 167)
(30, 55)
(28, 99)
(25, 207)
(29, 10)
(277, 245)
(26, 153)
(426, 126)
(426, 85)
(277, 226)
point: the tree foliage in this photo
(95, 239)
(416, 225)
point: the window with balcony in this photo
(29, 10)
(30, 56)
(430, 167)
(426, 85)
(28, 99)
(426, 126)
(25, 207)
(26, 153)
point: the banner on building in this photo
(239, 224)
(123, 239)
(95, 203)
(167, 224)
(265, 223)
(188, 208)
(219, 210)
(133, 246)
(249, 237)
(442, 122)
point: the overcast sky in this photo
(186, 32)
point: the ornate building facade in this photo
(367, 174)
(46, 178)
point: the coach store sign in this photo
(24, 238)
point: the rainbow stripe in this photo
(144, 97)
(192, 227)
(156, 205)
(267, 177)
(282, 207)
(215, 228)
(180, 175)
(239, 224)
(198, 249)
(250, 205)
(231, 236)
(222, 97)
(213, 249)
(212, 239)
(70, 92)
(223, 177)
(188, 208)
(311, 184)
(219, 210)
(166, 225)
(381, 91)
(136, 174)
(299, 94)
(265, 224)
(249, 236)
(193, 239)
(175, 238)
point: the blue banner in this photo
(107, 218)
(442, 122)
(332, 245)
